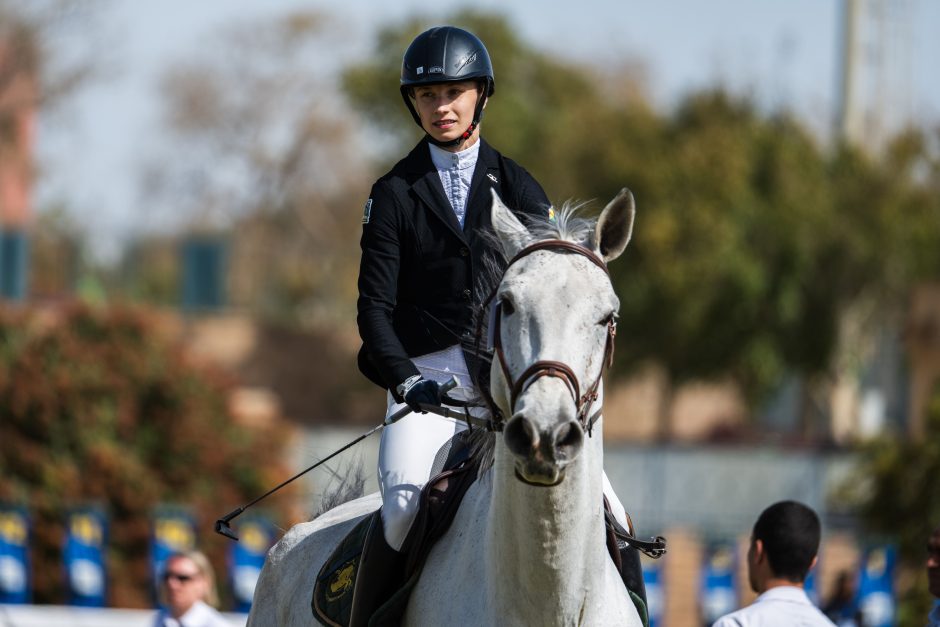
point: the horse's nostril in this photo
(521, 436)
(568, 438)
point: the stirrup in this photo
(655, 547)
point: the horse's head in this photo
(553, 332)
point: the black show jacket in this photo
(418, 267)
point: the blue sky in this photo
(783, 52)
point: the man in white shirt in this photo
(933, 576)
(783, 549)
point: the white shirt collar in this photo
(198, 615)
(785, 593)
(445, 160)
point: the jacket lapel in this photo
(428, 187)
(485, 177)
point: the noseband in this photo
(548, 367)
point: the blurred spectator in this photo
(933, 575)
(187, 593)
(783, 549)
(842, 608)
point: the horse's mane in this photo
(565, 224)
(344, 486)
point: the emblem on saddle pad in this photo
(342, 581)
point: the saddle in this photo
(366, 583)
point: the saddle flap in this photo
(333, 590)
(364, 581)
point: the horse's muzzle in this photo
(542, 451)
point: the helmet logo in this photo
(435, 69)
(420, 70)
(465, 61)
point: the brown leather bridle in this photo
(549, 367)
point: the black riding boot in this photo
(632, 574)
(627, 560)
(381, 573)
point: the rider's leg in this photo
(406, 457)
(616, 507)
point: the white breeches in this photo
(406, 457)
(409, 447)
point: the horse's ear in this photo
(615, 226)
(513, 235)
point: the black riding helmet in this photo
(447, 54)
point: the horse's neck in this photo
(548, 541)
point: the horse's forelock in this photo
(566, 224)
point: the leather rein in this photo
(549, 367)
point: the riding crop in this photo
(223, 526)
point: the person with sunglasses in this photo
(187, 593)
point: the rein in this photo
(548, 367)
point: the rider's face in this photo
(446, 110)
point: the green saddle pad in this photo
(333, 591)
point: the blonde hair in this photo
(204, 566)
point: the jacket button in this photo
(464, 251)
(466, 294)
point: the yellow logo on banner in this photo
(175, 533)
(254, 537)
(87, 529)
(13, 528)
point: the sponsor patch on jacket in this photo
(367, 212)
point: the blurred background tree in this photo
(896, 491)
(97, 406)
(31, 34)
(36, 75)
(259, 147)
(754, 242)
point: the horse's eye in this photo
(507, 307)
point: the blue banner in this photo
(14, 262)
(14, 555)
(173, 531)
(719, 593)
(876, 586)
(246, 558)
(86, 533)
(654, 580)
(810, 584)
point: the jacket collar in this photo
(427, 185)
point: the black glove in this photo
(421, 391)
